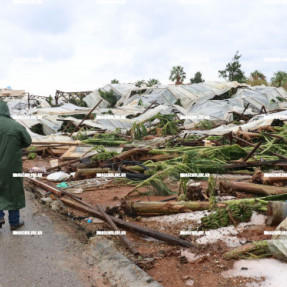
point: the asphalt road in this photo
(51, 259)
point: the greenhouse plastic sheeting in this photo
(66, 109)
(93, 99)
(254, 123)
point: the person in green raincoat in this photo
(13, 137)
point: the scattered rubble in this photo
(167, 164)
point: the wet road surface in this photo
(51, 259)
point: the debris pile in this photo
(131, 156)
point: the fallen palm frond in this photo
(190, 160)
(81, 135)
(205, 125)
(256, 249)
(104, 142)
(236, 211)
(109, 96)
(156, 180)
(173, 169)
(32, 152)
(167, 123)
(103, 154)
(224, 153)
(210, 191)
(170, 128)
(138, 131)
(108, 139)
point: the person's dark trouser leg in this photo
(14, 216)
(2, 220)
(2, 214)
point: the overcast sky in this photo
(80, 45)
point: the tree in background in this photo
(232, 70)
(177, 75)
(115, 81)
(139, 83)
(257, 78)
(279, 79)
(197, 78)
(257, 75)
(152, 82)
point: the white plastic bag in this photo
(58, 176)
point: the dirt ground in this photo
(163, 262)
(168, 267)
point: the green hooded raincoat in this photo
(13, 137)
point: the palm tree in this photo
(256, 75)
(139, 83)
(177, 75)
(152, 82)
(279, 79)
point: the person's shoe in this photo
(15, 227)
(2, 221)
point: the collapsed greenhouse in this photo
(195, 174)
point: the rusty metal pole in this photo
(125, 240)
(76, 128)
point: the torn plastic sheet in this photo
(187, 94)
(190, 94)
(254, 123)
(125, 110)
(50, 124)
(120, 89)
(93, 99)
(28, 123)
(217, 111)
(259, 96)
(112, 125)
(162, 109)
(51, 138)
(220, 111)
(66, 109)
(80, 151)
(20, 104)
(105, 124)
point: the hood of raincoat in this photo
(4, 110)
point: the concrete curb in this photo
(120, 271)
